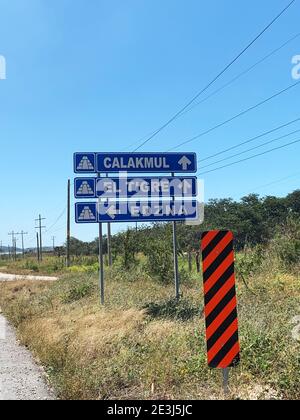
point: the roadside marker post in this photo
(136, 199)
(223, 347)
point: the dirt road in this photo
(15, 277)
(20, 376)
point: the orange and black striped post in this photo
(223, 348)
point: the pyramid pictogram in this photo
(85, 189)
(87, 214)
(85, 164)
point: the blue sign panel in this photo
(146, 162)
(140, 188)
(136, 211)
(85, 163)
(135, 162)
(85, 187)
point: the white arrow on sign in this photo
(112, 211)
(186, 186)
(184, 162)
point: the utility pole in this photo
(53, 242)
(13, 241)
(37, 247)
(22, 233)
(68, 223)
(40, 227)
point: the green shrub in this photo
(78, 292)
(250, 261)
(31, 265)
(89, 269)
(286, 244)
(160, 261)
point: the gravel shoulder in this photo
(20, 376)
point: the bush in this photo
(116, 273)
(249, 262)
(287, 244)
(78, 292)
(160, 261)
(33, 266)
(89, 269)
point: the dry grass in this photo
(121, 352)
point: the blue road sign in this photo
(85, 163)
(135, 162)
(144, 187)
(136, 211)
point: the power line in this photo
(59, 229)
(214, 93)
(240, 114)
(137, 142)
(242, 73)
(214, 79)
(249, 140)
(250, 157)
(57, 220)
(275, 182)
(251, 149)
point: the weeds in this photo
(145, 345)
(180, 310)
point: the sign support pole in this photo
(109, 244)
(68, 224)
(175, 256)
(226, 380)
(101, 262)
(101, 265)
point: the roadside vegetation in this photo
(143, 344)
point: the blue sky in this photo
(100, 75)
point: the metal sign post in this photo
(101, 265)
(226, 381)
(101, 262)
(175, 256)
(110, 262)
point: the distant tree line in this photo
(254, 220)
